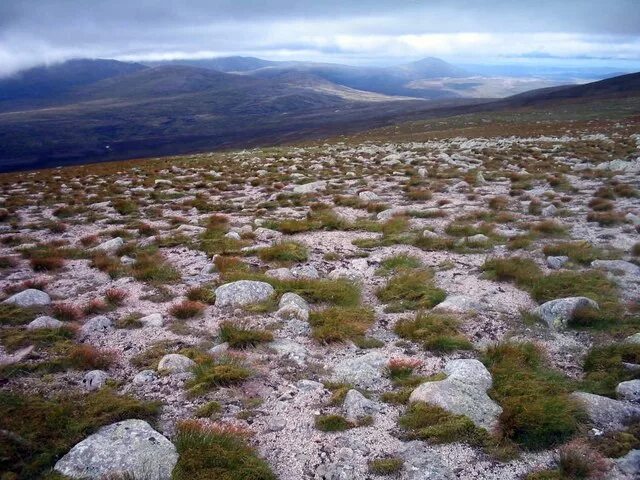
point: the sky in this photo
(357, 32)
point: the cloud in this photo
(40, 31)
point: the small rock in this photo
(232, 235)
(368, 196)
(152, 320)
(312, 187)
(305, 271)
(175, 363)
(276, 424)
(629, 465)
(357, 406)
(364, 371)
(463, 392)
(292, 306)
(29, 298)
(96, 325)
(219, 349)
(266, 235)
(459, 304)
(549, 211)
(145, 376)
(291, 350)
(44, 322)
(557, 262)
(130, 447)
(557, 313)
(606, 413)
(635, 338)
(242, 292)
(629, 391)
(110, 246)
(94, 380)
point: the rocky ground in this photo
(324, 303)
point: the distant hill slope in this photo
(610, 87)
(42, 83)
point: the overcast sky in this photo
(592, 32)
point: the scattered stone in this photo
(312, 187)
(145, 376)
(459, 304)
(291, 306)
(276, 424)
(463, 392)
(629, 391)
(130, 447)
(549, 211)
(94, 380)
(557, 313)
(266, 235)
(606, 413)
(356, 406)
(175, 363)
(152, 320)
(364, 371)
(29, 298)
(557, 262)
(219, 349)
(368, 196)
(422, 463)
(44, 322)
(96, 325)
(290, 350)
(474, 240)
(110, 246)
(242, 292)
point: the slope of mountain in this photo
(49, 82)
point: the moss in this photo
(411, 290)
(15, 315)
(209, 410)
(332, 423)
(201, 294)
(429, 422)
(153, 268)
(537, 410)
(604, 368)
(210, 373)
(436, 332)
(523, 271)
(338, 324)
(579, 252)
(42, 429)
(339, 292)
(397, 263)
(238, 337)
(15, 338)
(216, 452)
(284, 252)
(385, 466)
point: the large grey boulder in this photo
(364, 371)
(463, 392)
(605, 413)
(29, 298)
(110, 246)
(356, 406)
(293, 306)
(242, 292)
(557, 313)
(629, 391)
(175, 363)
(43, 322)
(130, 447)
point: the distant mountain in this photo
(47, 82)
(384, 80)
